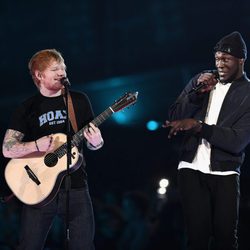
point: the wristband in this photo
(37, 146)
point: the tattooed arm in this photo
(13, 147)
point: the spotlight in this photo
(161, 190)
(163, 183)
(120, 118)
(152, 125)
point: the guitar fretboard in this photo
(79, 136)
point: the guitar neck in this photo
(78, 137)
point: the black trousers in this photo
(210, 206)
(36, 222)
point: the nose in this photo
(220, 64)
(61, 73)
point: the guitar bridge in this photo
(31, 175)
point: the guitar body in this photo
(35, 179)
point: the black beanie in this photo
(232, 44)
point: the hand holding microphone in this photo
(206, 82)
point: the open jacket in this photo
(229, 137)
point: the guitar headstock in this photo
(125, 101)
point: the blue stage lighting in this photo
(120, 117)
(152, 125)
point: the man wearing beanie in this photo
(212, 116)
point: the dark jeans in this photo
(210, 205)
(36, 222)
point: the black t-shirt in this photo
(39, 116)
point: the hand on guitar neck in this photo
(93, 137)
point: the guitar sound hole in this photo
(50, 160)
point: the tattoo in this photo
(12, 138)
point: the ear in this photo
(242, 61)
(38, 74)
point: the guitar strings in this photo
(77, 138)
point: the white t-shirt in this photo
(201, 161)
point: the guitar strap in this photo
(72, 116)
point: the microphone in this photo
(65, 81)
(204, 84)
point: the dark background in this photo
(112, 47)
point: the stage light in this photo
(120, 117)
(152, 125)
(163, 183)
(161, 190)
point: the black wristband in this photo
(37, 146)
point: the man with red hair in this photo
(31, 130)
